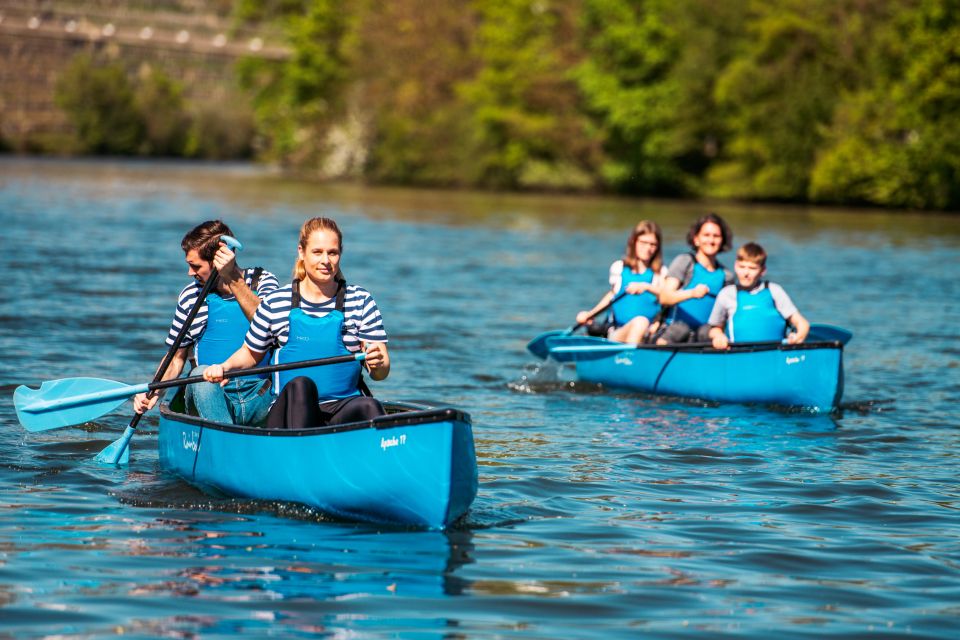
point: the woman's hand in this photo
(143, 402)
(584, 318)
(378, 360)
(638, 287)
(699, 291)
(214, 373)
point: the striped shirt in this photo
(188, 297)
(270, 326)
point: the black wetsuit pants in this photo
(297, 407)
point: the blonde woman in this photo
(318, 315)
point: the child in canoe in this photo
(637, 276)
(754, 310)
(694, 280)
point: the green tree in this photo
(897, 142)
(780, 92)
(101, 104)
(297, 100)
(525, 128)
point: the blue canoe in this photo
(808, 375)
(414, 466)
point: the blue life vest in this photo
(225, 330)
(310, 337)
(696, 311)
(756, 318)
(629, 307)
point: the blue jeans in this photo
(243, 401)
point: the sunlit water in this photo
(599, 514)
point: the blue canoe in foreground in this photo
(808, 375)
(415, 466)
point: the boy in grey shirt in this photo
(754, 310)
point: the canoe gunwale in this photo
(413, 415)
(742, 347)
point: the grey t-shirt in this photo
(726, 304)
(682, 269)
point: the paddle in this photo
(538, 346)
(61, 403)
(117, 452)
(829, 333)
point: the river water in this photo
(599, 514)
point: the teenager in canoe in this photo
(693, 281)
(638, 276)
(316, 316)
(219, 326)
(754, 309)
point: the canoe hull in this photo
(416, 466)
(807, 376)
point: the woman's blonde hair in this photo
(630, 257)
(311, 225)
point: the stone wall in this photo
(187, 39)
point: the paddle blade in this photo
(572, 349)
(538, 346)
(119, 451)
(34, 416)
(829, 333)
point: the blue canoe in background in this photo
(808, 375)
(415, 466)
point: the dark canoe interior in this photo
(399, 414)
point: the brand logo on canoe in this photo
(393, 441)
(302, 338)
(190, 441)
(622, 360)
(795, 359)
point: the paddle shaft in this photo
(130, 390)
(167, 359)
(593, 315)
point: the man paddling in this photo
(218, 328)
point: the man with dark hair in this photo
(218, 328)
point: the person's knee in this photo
(369, 407)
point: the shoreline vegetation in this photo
(838, 102)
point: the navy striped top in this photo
(271, 324)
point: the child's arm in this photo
(718, 338)
(800, 328)
(584, 316)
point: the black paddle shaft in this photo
(593, 315)
(239, 373)
(162, 369)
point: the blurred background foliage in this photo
(839, 101)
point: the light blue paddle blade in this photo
(829, 333)
(61, 403)
(574, 353)
(538, 346)
(119, 451)
(574, 348)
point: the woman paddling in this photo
(637, 275)
(694, 280)
(316, 316)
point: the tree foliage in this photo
(844, 101)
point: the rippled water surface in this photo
(599, 514)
